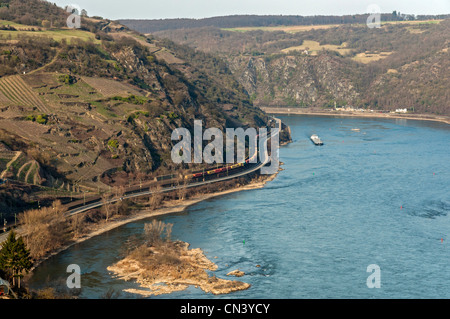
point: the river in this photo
(378, 195)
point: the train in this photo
(169, 180)
(222, 169)
(210, 172)
(165, 180)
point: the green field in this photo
(366, 57)
(314, 47)
(14, 24)
(305, 28)
(288, 29)
(56, 34)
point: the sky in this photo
(162, 9)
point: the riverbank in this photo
(170, 207)
(368, 192)
(318, 112)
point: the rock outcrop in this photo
(172, 267)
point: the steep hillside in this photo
(296, 80)
(95, 107)
(403, 64)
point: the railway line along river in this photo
(376, 193)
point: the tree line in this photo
(150, 26)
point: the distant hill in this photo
(237, 21)
(404, 64)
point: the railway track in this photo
(98, 202)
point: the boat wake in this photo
(432, 209)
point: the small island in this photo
(163, 266)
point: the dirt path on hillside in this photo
(10, 163)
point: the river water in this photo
(377, 196)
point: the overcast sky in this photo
(161, 9)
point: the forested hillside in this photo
(235, 21)
(404, 64)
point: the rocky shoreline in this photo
(189, 269)
(170, 207)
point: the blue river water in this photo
(379, 195)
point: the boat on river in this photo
(316, 140)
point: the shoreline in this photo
(171, 207)
(298, 111)
(165, 278)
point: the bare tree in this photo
(112, 201)
(106, 201)
(156, 198)
(46, 229)
(184, 180)
(77, 223)
(154, 232)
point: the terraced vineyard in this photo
(29, 173)
(5, 158)
(19, 167)
(3, 99)
(16, 160)
(18, 92)
(110, 88)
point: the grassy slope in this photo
(57, 35)
(314, 47)
(305, 28)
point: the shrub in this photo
(42, 119)
(172, 116)
(67, 79)
(132, 99)
(113, 144)
(46, 24)
(154, 232)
